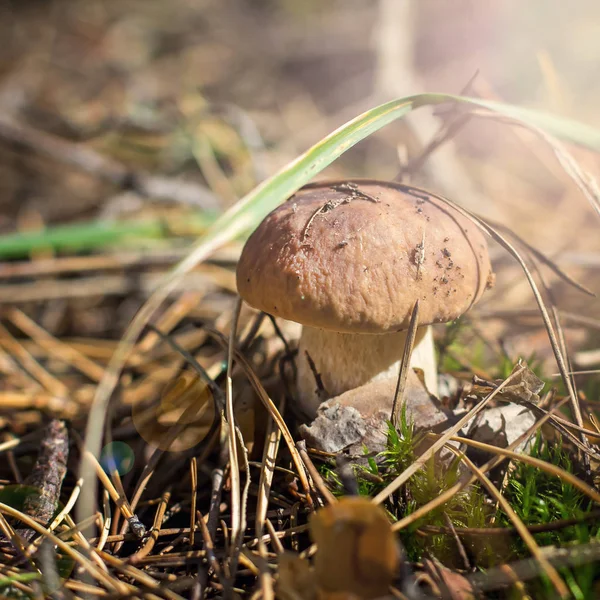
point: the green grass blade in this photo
(77, 237)
(251, 209)
(567, 130)
(19, 577)
(245, 214)
(80, 237)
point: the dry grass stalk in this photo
(55, 347)
(85, 563)
(404, 365)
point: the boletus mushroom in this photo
(348, 260)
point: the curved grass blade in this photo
(254, 206)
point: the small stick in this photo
(47, 476)
(315, 475)
(60, 517)
(194, 483)
(403, 374)
(350, 188)
(209, 547)
(236, 513)
(275, 541)
(105, 529)
(321, 391)
(158, 520)
(137, 527)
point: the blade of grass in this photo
(22, 577)
(406, 354)
(561, 360)
(536, 462)
(269, 458)
(246, 213)
(194, 494)
(96, 235)
(542, 258)
(236, 517)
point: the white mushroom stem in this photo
(345, 361)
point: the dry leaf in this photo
(526, 386)
(187, 402)
(450, 585)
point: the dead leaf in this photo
(502, 425)
(526, 386)
(450, 584)
(187, 402)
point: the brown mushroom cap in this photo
(353, 257)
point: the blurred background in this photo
(128, 126)
(145, 111)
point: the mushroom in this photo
(348, 260)
(358, 555)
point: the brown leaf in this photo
(526, 386)
(451, 585)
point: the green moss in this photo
(536, 496)
(539, 498)
(465, 509)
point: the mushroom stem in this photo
(345, 361)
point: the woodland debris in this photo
(360, 416)
(448, 584)
(526, 386)
(502, 425)
(44, 483)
